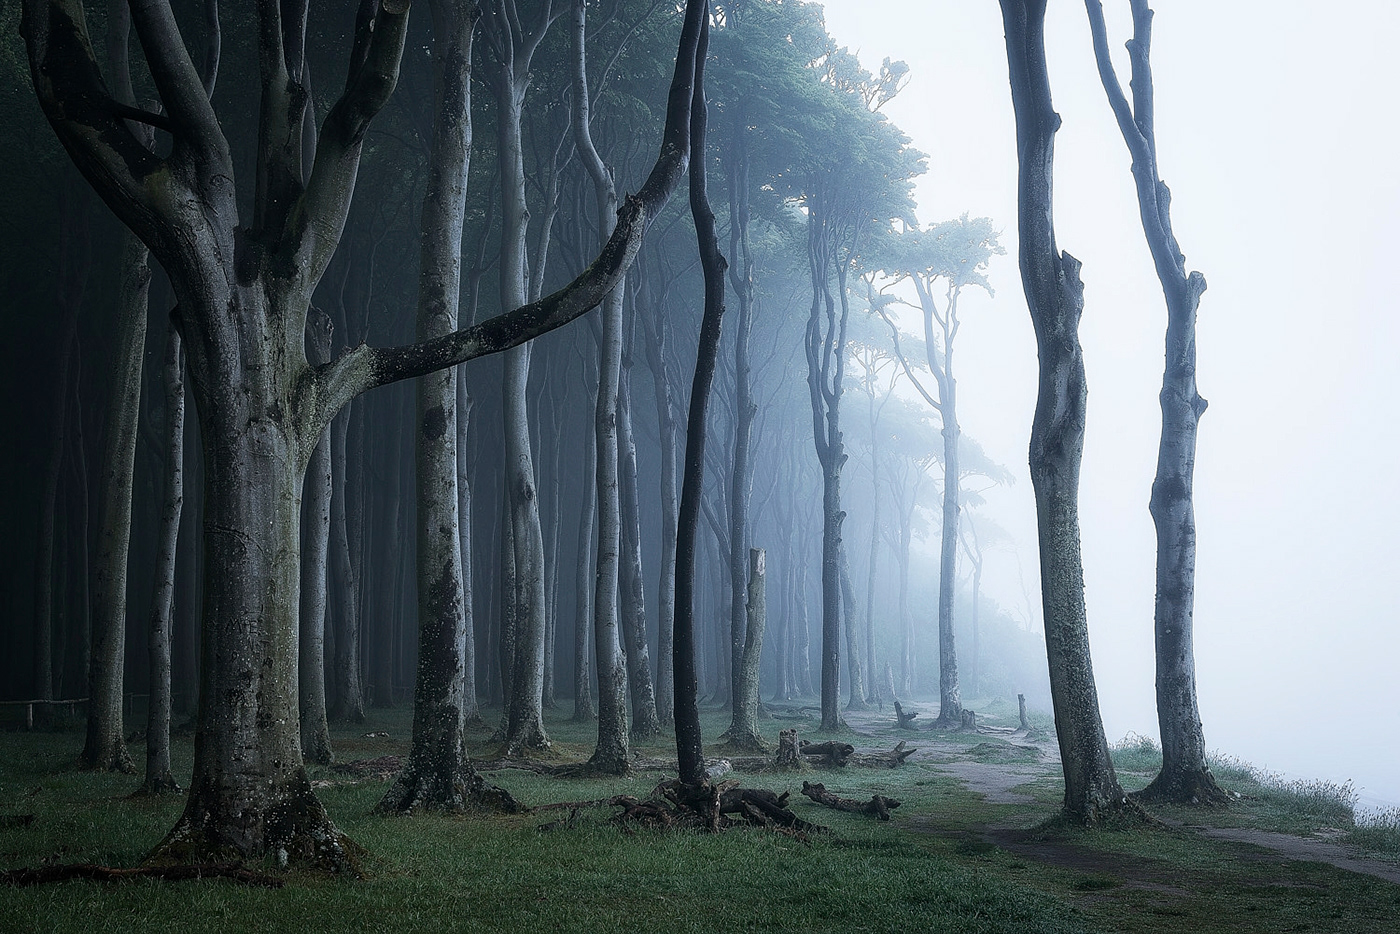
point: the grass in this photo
(950, 860)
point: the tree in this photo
(1185, 775)
(955, 252)
(243, 287)
(1055, 297)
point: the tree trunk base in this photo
(317, 749)
(293, 829)
(739, 740)
(1195, 787)
(161, 783)
(646, 727)
(116, 758)
(456, 789)
(530, 736)
(1124, 814)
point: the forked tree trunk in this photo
(1185, 775)
(611, 754)
(158, 777)
(1055, 296)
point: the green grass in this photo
(949, 861)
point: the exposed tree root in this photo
(878, 805)
(453, 787)
(1195, 786)
(230, 871)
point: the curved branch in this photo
(180, 85)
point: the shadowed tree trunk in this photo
(689, 742)
(158, 778)
(315, 540)
(654, 323)
(349, 686)
(471, 708)
(631, 584)
(1055, 296)
(583, 589)
(1185, 776)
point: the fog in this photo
(1274, 136)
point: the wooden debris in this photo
(827, 753)
(232, 872)
(883, 760)
(905, 719)
(878, 805)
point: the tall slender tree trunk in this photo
(1055, 296)
(315, 539)
(471, 707)
(1185, 775)
(631, 582)
(611, 754)
(654, 324)
(158, 777)
(583, 589)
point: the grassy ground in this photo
(950, 861)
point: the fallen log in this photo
(44, 874)
(878, 805)
(827, 753)
(883, 760)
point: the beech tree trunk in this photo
(1055, 296)
(158, 777)
(315, 540)
(654, 323)
(631, 584)
(1185, 775)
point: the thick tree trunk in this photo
(158, 777)
(315, 539)
(1055, 295)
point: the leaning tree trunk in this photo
(158, 777)
(1055, 296)
(1185, 775)
(316, 528)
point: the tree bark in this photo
(1055, 296)
(158, 777)
(654, 323)
(315, 539)
(743, 730)
(1185, 776)
(631, 583)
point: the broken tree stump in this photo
(883, 760)
(878, 805)
(904, 718)
(789, 756)
(827, 753)
(968, 722)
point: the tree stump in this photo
(968, 722)
(789, 757)
(1025, 724)
(905, 719)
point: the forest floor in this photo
(972, 848)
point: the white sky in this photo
(1277, 135)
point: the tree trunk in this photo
(1185, 776)
(105, 749)
(632, 586)
(471, 708)
(1055, 295)
(583, 581)
(654, 323)
(315, 538)
(853, 648)
(349, 704)
(743, 730)
(158, 778)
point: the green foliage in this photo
(1136, 753)
(1377, 834)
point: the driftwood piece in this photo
(232, 872)
(884, 760)
(878, 805)
(904, 718)
(827, 753)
